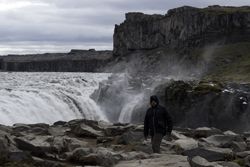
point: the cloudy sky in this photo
(41, 26)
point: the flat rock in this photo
(201, 162)
(210, 153)
(157, 161)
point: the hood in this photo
(155, 98)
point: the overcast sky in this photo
(41, 26)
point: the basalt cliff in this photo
(74, 61)
(185, 27)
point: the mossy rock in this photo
(208, 87)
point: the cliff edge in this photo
(182, 27)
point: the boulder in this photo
(247, 161)
(118, 130)
(60, 123)
(19, 156)
(87, 131)
(102, 157)
(131, 137)
(234, 142)
(210, 153)
(81, 152)
(187, 143)
(64, 144)
(218, 140)
(243, 154)
(58, 130)
(176, 135)
(205, 132)
(37, 145)
(198, 161)
(7, 144)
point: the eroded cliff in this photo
(184, 27)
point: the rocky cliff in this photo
(186, 27)
(74, 61)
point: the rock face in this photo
(182, 27)
(74, 61)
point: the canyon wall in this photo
(182, 27)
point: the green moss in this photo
(177, 148)
(239, 161)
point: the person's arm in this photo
(146, 124)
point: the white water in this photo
(48, 97)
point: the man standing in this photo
(156, 120)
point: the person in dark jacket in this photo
(156, 120)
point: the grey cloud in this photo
(77, 22)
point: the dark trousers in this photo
(156, 142)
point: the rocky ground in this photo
(96, 143)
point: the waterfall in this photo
(48, 97)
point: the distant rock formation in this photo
(74, 61)
(183, 27)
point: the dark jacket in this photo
(156, 119)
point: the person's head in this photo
(154, 101)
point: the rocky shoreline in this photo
(83, 142)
